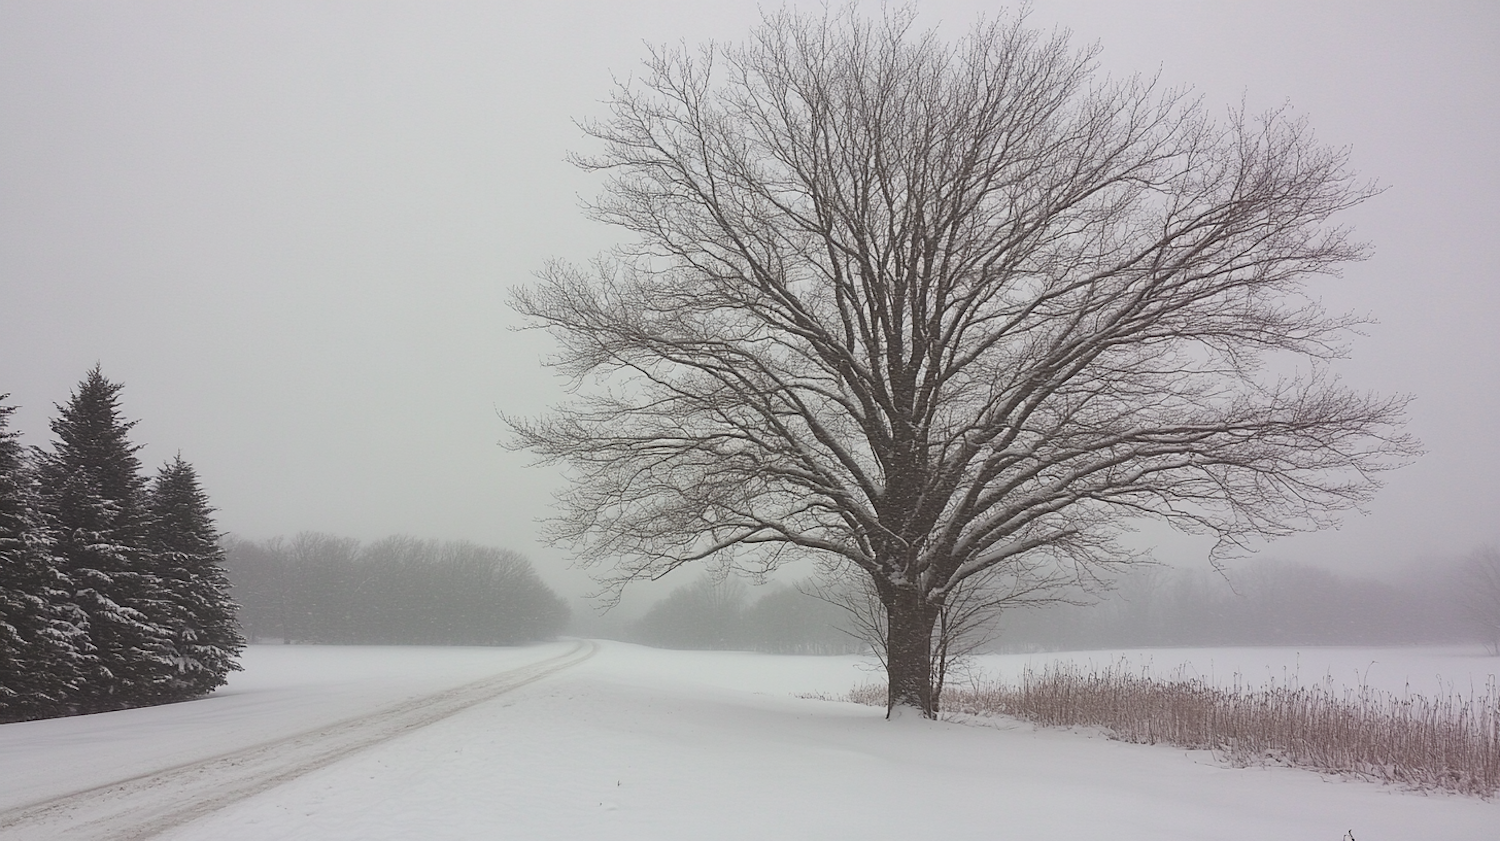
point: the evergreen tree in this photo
(93, 491)
(39, 660)
(190, 563)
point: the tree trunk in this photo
(908, 652)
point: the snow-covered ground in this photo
(639, 743)
(1433, 671)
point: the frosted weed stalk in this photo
(1450, 743)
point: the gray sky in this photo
(289, 228)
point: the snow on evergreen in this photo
(40, 633)
(112, 590)
(190, 565)
(93, 490)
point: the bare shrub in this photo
(1450, 743)
(869, 694)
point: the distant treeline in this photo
(720, 614)
(317, 588)
(1265, 603)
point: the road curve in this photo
(147, 805)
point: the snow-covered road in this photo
(638, 743)
(145, 805)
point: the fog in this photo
(289, 229)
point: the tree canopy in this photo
(940, 312)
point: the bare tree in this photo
(927, 309)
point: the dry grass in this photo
(1450, 743)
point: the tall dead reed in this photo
(1450, 743)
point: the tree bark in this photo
(908, 651)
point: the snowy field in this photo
(1433, 672)
(633, 742)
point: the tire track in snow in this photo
(150, 804)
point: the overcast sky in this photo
(289, 227)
